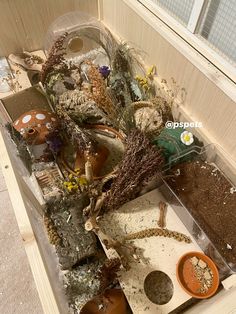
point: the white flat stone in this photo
(159, 253)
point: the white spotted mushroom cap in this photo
(35, 124)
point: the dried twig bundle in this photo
(154, 232)
(55, 57)
(140, 163)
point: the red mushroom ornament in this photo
(34, 126)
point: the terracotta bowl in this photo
(113, 300)
(189, 282)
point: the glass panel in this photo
(180, 9)
(218, 27)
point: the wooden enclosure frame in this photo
(218, 88)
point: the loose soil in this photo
(211, 200)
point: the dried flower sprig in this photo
(12, 80)
(140, 163)
(55, 57)
(99, 91)
(147, 82)
(172, 92)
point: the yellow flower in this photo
(77, 170)
(138, 78)
(144, 81)
(151, 71)
(82, 181)
(70, 188)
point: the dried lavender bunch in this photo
(141, 162)
(55, 58)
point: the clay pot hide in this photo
(97, 160)
(113, 300)
(35, 125)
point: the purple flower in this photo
(104, 71)
(54, 142)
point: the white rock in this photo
(194, 260)
(202, 264)
(207, 275)
(232, 190)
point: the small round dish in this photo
(186, 274)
